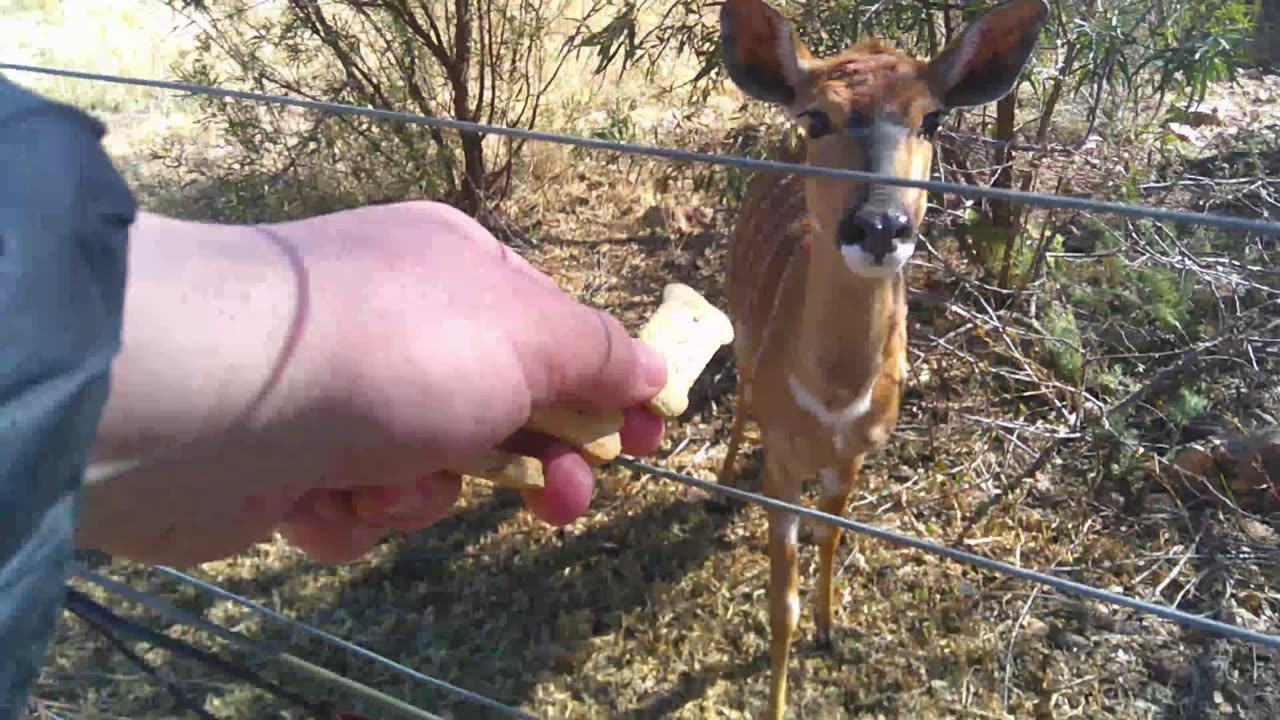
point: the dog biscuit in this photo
(688, 331)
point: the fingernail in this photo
(654, 366)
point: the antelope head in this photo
(874, 109)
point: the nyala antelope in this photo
(815, 285)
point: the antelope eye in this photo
(929, 125)
(819, 124)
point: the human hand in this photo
(421, 341)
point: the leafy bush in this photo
(493, 61)
(1065, 355)
(1106, 62)
(1137, 291)
(487, 61)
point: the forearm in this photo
(208, 316)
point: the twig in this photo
(1182, 562)
(1185, 362)
(1026, 612)
(1036, 466)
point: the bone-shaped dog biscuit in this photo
(688, 331)
(506, 469)
(497, 466)
(595, 435)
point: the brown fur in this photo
(800, 314)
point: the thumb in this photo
(575, 354)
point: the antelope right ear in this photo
(761, 52)
(984, 62)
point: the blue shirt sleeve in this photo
(65, 215)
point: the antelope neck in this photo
(844, 326)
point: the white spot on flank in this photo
(793, 610)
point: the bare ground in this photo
(653, 605)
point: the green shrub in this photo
(489, 62)
(1065, 356)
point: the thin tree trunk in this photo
(1002, 212)
(1265, 47)
(459, 78)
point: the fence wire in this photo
(1205, 624)
(344, 644)
(1042, 200)
(1209, 625)
(263, 651)
(1026, 198)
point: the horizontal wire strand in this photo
(1027, 198)
(108, 621)
(344, 644)
(1017, 196)
(185, 617)
(105, 622)
(961, 556)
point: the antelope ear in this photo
(982, 65)
(761, 52)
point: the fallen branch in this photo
(1189, 358)
(1162, 380)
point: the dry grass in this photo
(653, 604)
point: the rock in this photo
(1256, 531)
(1249, 465)
(1249, 621)
(1160, 503)
(1182, 131)
(1199, 118)
(1194, 460)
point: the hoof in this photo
(822, 641)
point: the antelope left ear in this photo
(982, 65)
(761, 52)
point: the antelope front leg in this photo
(784, 596)
(836, 487)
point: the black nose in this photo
(877, 232)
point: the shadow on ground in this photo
(537, 610)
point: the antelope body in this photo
(816, 286)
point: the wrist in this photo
(215, 335)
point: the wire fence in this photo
(1041, 200)
(1206, 624)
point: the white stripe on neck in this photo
(838, 419)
